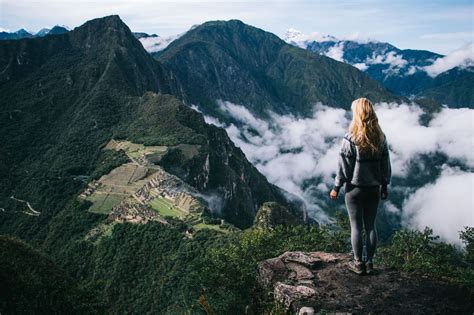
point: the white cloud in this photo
(154, 44)
(450, 132)
(361, 66)
(297, 38)
(395, 62)
(412, 70)
(462, 57)
(390, 207)
(336, 52)
(4, 30)
(291, 151)
(446, 205)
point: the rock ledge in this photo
(310, 282)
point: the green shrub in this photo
(422, 252)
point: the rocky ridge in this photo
(313, 282)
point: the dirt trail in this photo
(31, 211)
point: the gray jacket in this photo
(362, 169)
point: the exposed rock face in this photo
(272, 214)
(310, 282)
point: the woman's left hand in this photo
(333, 194)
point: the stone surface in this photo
(299, 272)
(310, 282)
(271, 271)
(300, 258)
(287, 294)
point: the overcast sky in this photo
(439, 26)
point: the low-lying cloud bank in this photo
(462, 58)
(300, 155)
(446, 205)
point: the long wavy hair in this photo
(365, 128)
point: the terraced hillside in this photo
(140, 190)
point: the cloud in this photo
(214, 201)
(446, 205)
(395, 62)
(361, 66)
(336, 52)
(412, 70)
(297, 38)
(154, 44)
(462, 57)
(449, 132)
(300, 154)
(4, 30)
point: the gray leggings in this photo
(362, 203)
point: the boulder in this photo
(311, 282)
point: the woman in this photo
(364, 167)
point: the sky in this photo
(438, 26)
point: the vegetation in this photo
(235, 62)
(422, 252)
(63, 100)
(165, 208)
(30, 281)
(155, 268)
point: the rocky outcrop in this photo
(311, 282)
(271, 214)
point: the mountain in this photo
(126, 201)
(21, 33)
(235, 62)
(58, 30)
(32, 281)
(65, 97)
(402, 71)
(42, 32)
(453, 87)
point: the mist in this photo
(300, 156)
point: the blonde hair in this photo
(365, 128)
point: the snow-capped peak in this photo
(292, 35)
(298, 38)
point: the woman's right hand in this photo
(384, 195)
(333, 194)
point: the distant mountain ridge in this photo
(22, 33)
(403, 71)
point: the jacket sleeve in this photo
(385, 165)
(346, 163)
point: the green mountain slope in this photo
(64, 97)
(31, 282)
(453, 87)
(235, 62)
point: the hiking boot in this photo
(370, 268)
(357, 267)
